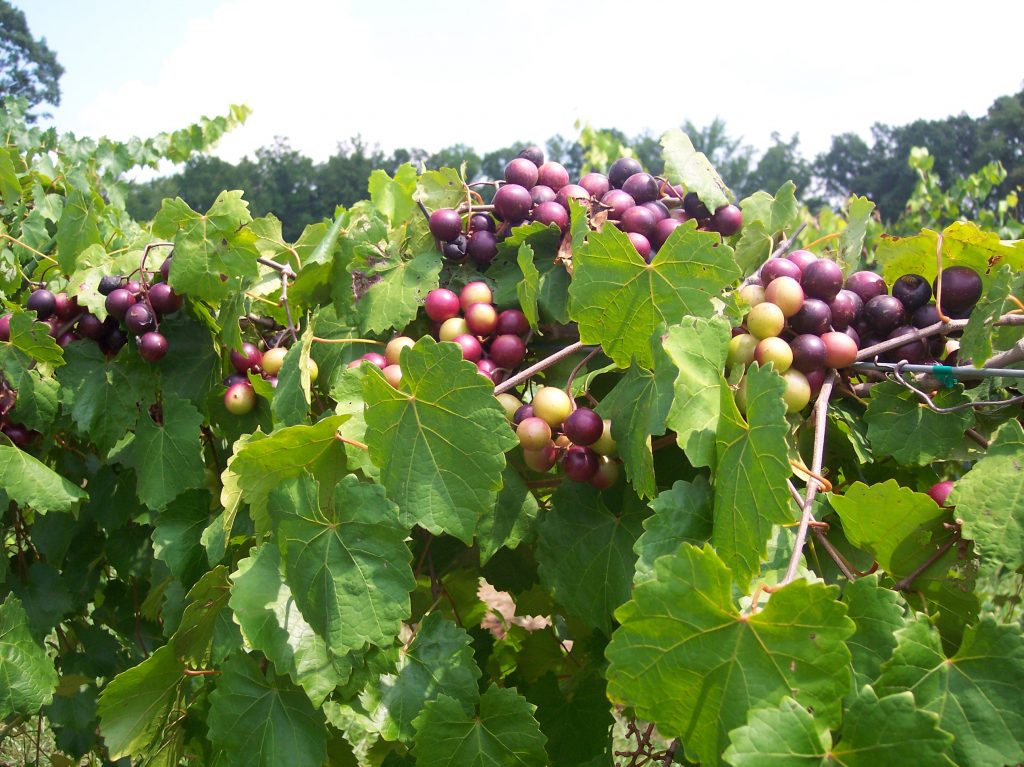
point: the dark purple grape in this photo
(19, 435)
(481, 222)
(539, 194)
(552, 174)
(445, 224)
(583, 426)
(552, 213)
(822, 279)
(618, 203)
(913, 291)
(64, 340)
(845, 308)
(534, 154)
(65, 308)
(248, 359)
(512, 203)
(572, 192)
(152, 346)
(814, 317)
(91, 326)
(580, 463)
(512, 322)
(925, 316)
(163, 299)
(642, 245)
(961, 289)
(867, 285)
(165, 268)
(139, 319)
(522, 413)
(114, 341)
(454, 252)
(662, 230)
(42, 302)
(809, 352)
(728, 219)
(134, 287)
(638, 219)
(54, 324)
(521, 171)
(884, 314)
(694, 206)
(483, 247)
(5, 328)
(779, 267)
(641, 187)
(118, 301)
(815, 378)
(657, 208)
(235, 378)
(596, 184)
(507, 351)
(853, 334)
(679, 214)
(802, 258)
(621, 170)
(111, 283)
(914, 351)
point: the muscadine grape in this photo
(884, 313)
(583, 426)
(814, 317)
(452, 329)
(90, 326)
(549, 213)
(638, 219)
(775, 351)
(110, 283)
(552, 174)
(392, 352)
(642, 245)
(486, 368)
(471, 348)
(42, 302)
(441, 304)
(445, 224)
(376, 359)
(961, 289)
(840, 349)
(512, 202)
(314, 371)
(118, 302)
(607, 473)
(845, 308)
(234, 378)
(695, 207)
(808, 352)
(798, 391)
(727, 220)
(822, 279)
(481, 319)
(913, 291)
(139, 319)
(552, 404)
(524, 411)
(539, 194)
(507, 351)
(483, 247)
(802, 258)
(785, 293)
(925, 316)
(512, 322)
(165, 268)
(765, 320)
(392, 374)
(596, 184)
(915, 350)
(752, 295)
(779, 267)
(135, 287)
(741, 350)
(163, 299)
(679, 214)
(605, 445)
(248, 359)
(534, 433)
(617, 202)
(476, 292)
(5, 327)
(571, 192)
(521, 171)
(64, 340)
(240, 398)
(622, 169)
(657, 208)
(510, 404)
(65, 308)
(541, 460)
(867, 285)
(455, 251)
(534, 154)
(273, 360)
(18, 434)
(481, 222)
(113, 341)
(580, 463)
(641, 187)
(853, 334)
(815, 379)
(939, 492)
(152, 346)
(662, 230)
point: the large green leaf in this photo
(685, 165)
(33, 339)
(751, 469)
(346, 560)
(28, 481)
(176, 535)
(878, 614)
(989, 499)
(686, 659)
(963, 244)
(976, 342)
(398, 287)
(512, 519)
(978, 693)
(503, 734)
(292, 395)
(780, 213)
(681, 514)
(439, 439)
(76, 229)
(38, 394)
(27, 676)
(439, 661)
(575, 718)
(901, 426)
(194, 638)
(585, 550)
(619, 300)
(262, 720)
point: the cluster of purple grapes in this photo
(647, 208)
(552, 430)
(240, 397)
(805, 320)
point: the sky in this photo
(487, 73)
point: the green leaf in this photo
(513, 517)
(686, 659)
(168, 456)
(685, 165)
(878, 613)
(10, 187)
(439, 661)
(754, 246)
(585, 551)
(780, 213)
(264, 720)
(619, 300)
(976, 342)
(394, 196)
(503, 733)
(76, 229)
(963, 244)
(575, 720)
(292, 395)
(851, 241)
(978, 693)
(681, 514)
(528, 287)
(439, 439)
(32, 339)
(265, 610)
(137, 707)
(27, 676)
(36, 405)
(176, 536)
(786, 736)
(29, 482)
(751, 469)
(346, 563)
(442, 188)
(698, 348)
(989, 500)
(901, 426)
(397, 291)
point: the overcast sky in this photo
(486, 73)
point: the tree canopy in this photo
(28, 68)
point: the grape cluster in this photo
(139, 307)
(805, 319)
(646, 207)
(240, 397)
(552, 430)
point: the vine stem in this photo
(577, 369)
(318, 340)
(284, 269)
(840, 561)
(905, 584)
(807, 510)
(544, 364)
(944, 328)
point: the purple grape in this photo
(809, 352)
(111, 283)
(580, 463)
(165, 268)
(679, 214)
(662, 230)
(163, 299)
(486, 367)
(802, 258)
(441, 304)
(521, 171)
(522, 413)
(43, 303)
(913, 291)
(552, 174)
(618, 203)
(91, 326)
(925, 316)
(572, 192)
(596, 184)
(534, 154)
(139, 319)
(638, 219)
(512, 203)
(454, 252)
(113, 342)
(961, 289)
(445, 224)
(471, 348)
(657, 208)
(884, 314)
(853, 334)
(507, 351)
(583, 426)
(118, 301)
(822, 279)
(728, 220)
(642, 245)
(814, 317)
(64, 340)
(914, 351)
(376, 359)
(815, 378)
(539, 194)
(552, 213)
(779, 267)
(248, 359)
(152, 346)
(481, 222)
(18, 434)
(483, 247)
(867, 285)
(621, 170)
(695, 207)
(65, 308)
(641, 187)
(135, 287)
(512, 322)
(845, 309)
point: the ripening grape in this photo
(765, 320)
(445, 224)
(552, 404)
(583, 426)
(534, 433)
(774, 351)
(475, 293)
(273, 360)
(392, 352)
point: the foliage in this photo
(28, 68)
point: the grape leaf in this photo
(878, 614)
(786, 736)
(963, 244)
(29, 482)
(637, 407)
(439, 661)
(698, 348)
(442, 188)
(27, 676)
(780, 213)
(439, 439)
(899, 425)
(193, 638)
(686, 659)
(527, 288)
(10, 187)
(682, 513)
(978, 693)
(685, 165)
(504, 732)
(167, 457)
(265, 610)
(989, 500)
(177, 533)
(585, 551)
(619, 300)
(36, 405)
(263, 720)
(512, 519)
(290, 404)
(851, 241)
(750, 474)
(394, 196)
(575, 720)
(346, 561)
(976, 342)
(32, 339)
(76, 229)
(397, 290)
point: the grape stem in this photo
(807, 508)
(284, 269)
(576, 370)
(905, 584)
(944, 328)
(544, 364)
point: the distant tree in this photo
(28, 68)
(453, 156)
(780, 163)
(282, 182)
(1001, 137)
(730, 156)
(342, 179)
